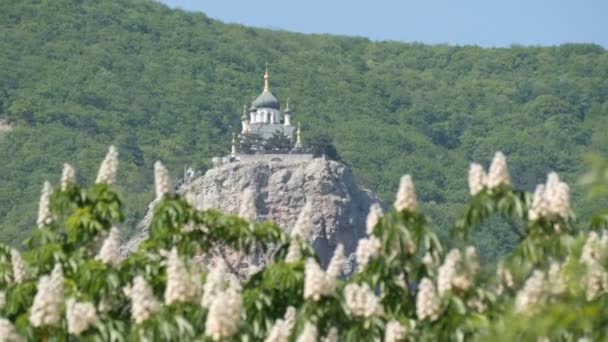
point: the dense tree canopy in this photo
(77, 75)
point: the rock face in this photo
(282, 188)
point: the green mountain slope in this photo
(78, 75)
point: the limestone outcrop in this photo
(282, 188)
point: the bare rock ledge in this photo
(282, 188)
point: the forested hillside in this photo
(78, 75)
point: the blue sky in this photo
(462, 22)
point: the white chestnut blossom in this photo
(532, 294)
(476, 304)
(498, 173)
(216, 282)
(314, 280)
(300, 232)
(308, 334)
(477, 179)
(224, 315)
(109, 253)
(109, 167)
(304, 224)
(595, 249)
(293, 253)
(406, 196)
(558, 196)
(457, 273)
(332, 335)
(143, 302)
(8, 333)
(46, 308)
(336, 265)
(361, 301)
(80, 316)
(20, 268)
(504, 275)
(540, 206)
(45, 217)
(162, 181)
(394, 332)
(318, 283)
(596, 282)
(550, 200)
(373, 217)
(427, 301)
(555, 279)
(180, 287)
(367, 249)
(247, 209)
(430, 260)
(68, 176)
(281, 329)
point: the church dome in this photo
(267, 100)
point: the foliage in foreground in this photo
(165, 84)
(71, 282)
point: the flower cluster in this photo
(431, 260)
(551, 200)
(80, 316)
(304, 225)
(318, 283)
(556, 282)
(20, 269)
(68, 176)
(428, 305)
(477, 178)
(367, 249)
(143, 302)
(216, 282)
(504, 278)
(406, 196)
(594, 255)
(373, 217)
(596, 282)
(300, 232)
(281, 329)
(361, 301)
(308, 334)
(531, 296)
(162, 181)
(108, 168)
(394, 332)
(370, 247)
(224, 315)
(457, 273)
(595, 249)
(180, 285)
(45, 217)
(332, 335)
(496, 176)
(49, 297)
(109, 253)
(498, 173)
(8, 332)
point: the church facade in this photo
(267, 133)
(267, 128)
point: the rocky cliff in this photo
(282, 188)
